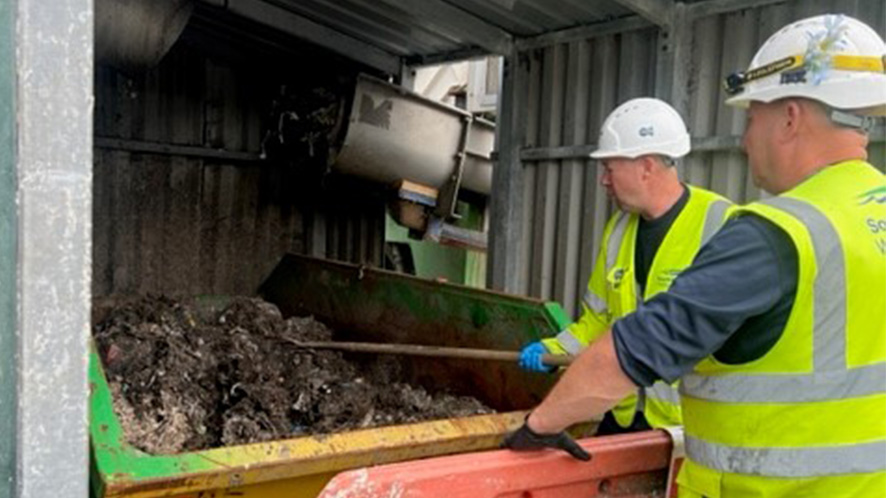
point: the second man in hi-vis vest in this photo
(660, 226)
(777, 331)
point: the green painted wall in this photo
(475, 261)
(8, 238)
(433, 261)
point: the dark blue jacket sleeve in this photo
(746, 270)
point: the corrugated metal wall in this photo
(175, 223)
(573, 86)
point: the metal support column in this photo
(51, 222)
(681, 45)
(672, 67)
(8, 239)
(506, 200)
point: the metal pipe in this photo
(699, 144)
(166, 149)
(394, 134)
(133, 34)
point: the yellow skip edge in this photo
(316, 459)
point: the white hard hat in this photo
(833, 59)
(640, 127)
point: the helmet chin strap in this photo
(849, 120)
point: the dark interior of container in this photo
(194, 193)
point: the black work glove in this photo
(524, 439)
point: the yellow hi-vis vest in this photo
(612, 291)
(808, 419)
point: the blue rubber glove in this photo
(530, 358)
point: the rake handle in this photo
(432, 351)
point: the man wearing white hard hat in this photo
(777, 330)
(660, 226)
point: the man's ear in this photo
(649, 165)
(792, 118)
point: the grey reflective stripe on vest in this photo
(788, 388)
(829, 334)
(616, 239)
(790, 462)
(713, 220)
(829, 329)
(659, 391)
(830, 379)
(662, 391)
(569, 342)
(596, 303)
(593, 301)
(829, 300)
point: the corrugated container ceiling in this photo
(413, 28)
(383, 33)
